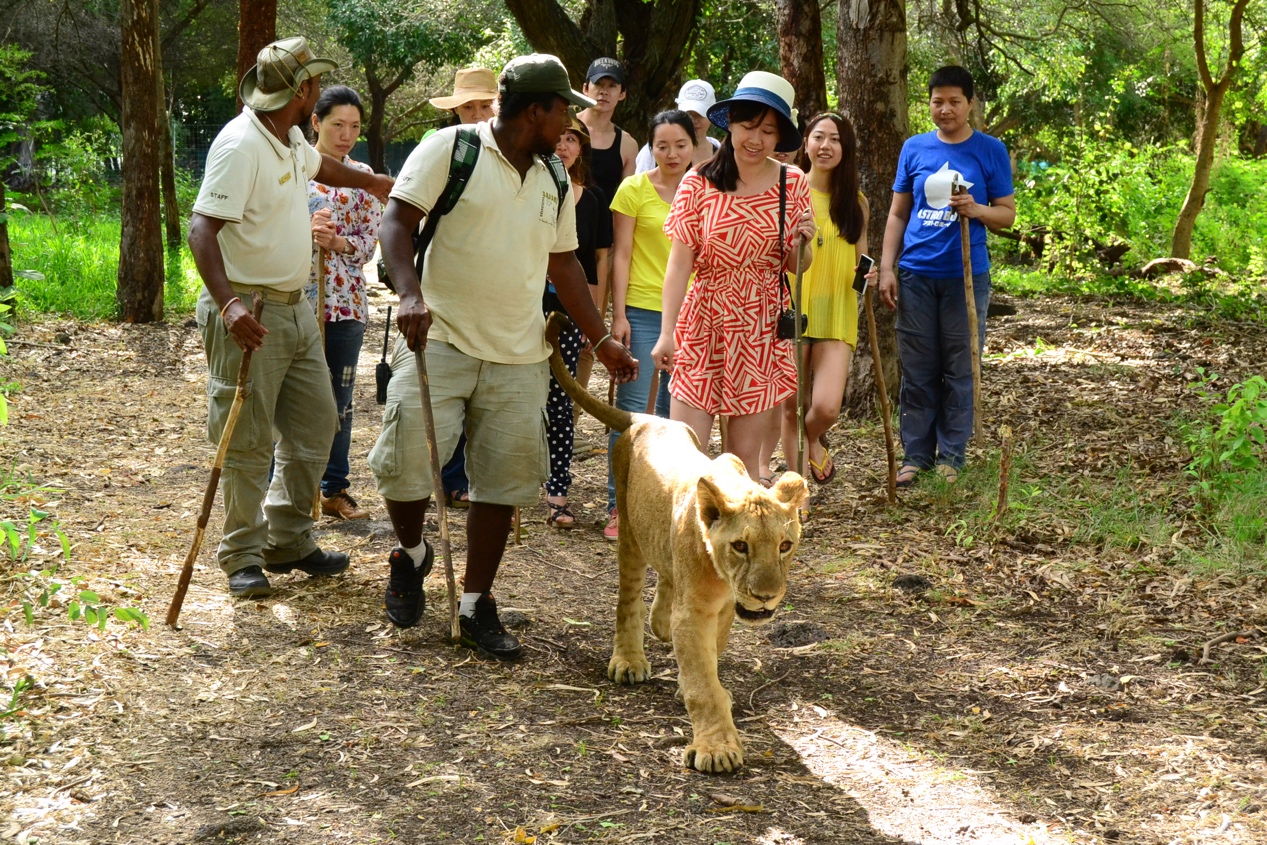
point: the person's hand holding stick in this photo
(209, 497)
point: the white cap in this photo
(696, 96)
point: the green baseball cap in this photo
(540, 73)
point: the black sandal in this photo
(557, 511)
(911, 472)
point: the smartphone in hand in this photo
(865, 263)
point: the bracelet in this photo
(237, 299)
(606, 338)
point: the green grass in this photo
(79, 260)
(1120, 513)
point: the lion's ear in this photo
(791, 489)
(711, 500)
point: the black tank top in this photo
(607, 168)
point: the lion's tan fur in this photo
(718, 542)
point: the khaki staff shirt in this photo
(260, 187)
(485, 269)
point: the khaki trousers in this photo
(289, 415)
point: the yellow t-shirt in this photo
(637, 198)
(830, 300)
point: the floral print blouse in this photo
(356, 215)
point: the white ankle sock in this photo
(417, 554)
(467, 605)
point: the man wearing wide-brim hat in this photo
(477, 310)
(250, 235)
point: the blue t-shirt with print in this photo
(925, 170)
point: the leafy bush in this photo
(1229, 446)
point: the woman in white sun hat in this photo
(695, 98)
(719, 339)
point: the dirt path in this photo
(923, 685)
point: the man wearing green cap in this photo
(250, 235)
(477, 309)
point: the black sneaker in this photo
(405, 598)
(249, 583)
(317, 563)
(484, 632)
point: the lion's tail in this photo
(613, 418)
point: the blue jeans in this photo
(343, 348)
(932, 344)
(453, 475)
(644, 331)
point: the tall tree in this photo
(871, 79)
(140, 291)
(1209, 109)
(257, 28)
(800, 27)
(652, 36)
(389, 38)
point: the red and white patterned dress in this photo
(727, 360)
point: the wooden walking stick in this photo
(433, 449)
(321, 326)
(973, 326)
(800, 366)
(209, 497)
(882, 393)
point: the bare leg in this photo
(487, 529)
(747, 436)
(407, 519)
(829, 365)
(701, 422)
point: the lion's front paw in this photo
(715, 755)
(628, 670)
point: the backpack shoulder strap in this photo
(555, 165)
(466, 152)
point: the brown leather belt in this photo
(278, 297)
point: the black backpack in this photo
(466, 152)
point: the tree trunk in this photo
(257, 28)
(871, 79)
(800, 31)
(374, 123)
(140, 291)
(167, 164)
(1208, 120)
(6, 257)
(653, 38)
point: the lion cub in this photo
(721, 545)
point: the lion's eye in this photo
(740, 546)
(785, 546)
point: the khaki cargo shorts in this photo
(502, 407)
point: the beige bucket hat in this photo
(472, 83)
(280, 68)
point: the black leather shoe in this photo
(484, 632)
(317, 563)
(249, 583)
(405, 599)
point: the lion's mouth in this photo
(753, 615)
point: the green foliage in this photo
(1229, 445)
(22, 538)
(79, 261)
(390, 37)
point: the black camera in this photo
(787, 325)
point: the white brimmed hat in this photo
(696, 96)
(770, 90)
(280, 68)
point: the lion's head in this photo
(751, 533)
